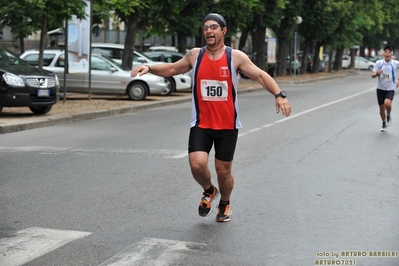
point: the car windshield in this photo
(8, 58)
(115, 62)
(137, 55)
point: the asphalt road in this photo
(318, 187)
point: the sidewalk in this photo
(78, 107)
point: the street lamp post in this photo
(298, 21)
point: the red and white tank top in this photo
(214, 98)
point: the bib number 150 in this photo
(214, 91)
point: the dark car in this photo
(309, 66)
(374, 58)
(164, 56)
(24, 85)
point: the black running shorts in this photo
(224, 140)
(383, 94)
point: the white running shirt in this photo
(386, 80)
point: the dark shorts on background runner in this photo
(224, 141)
(383, 94)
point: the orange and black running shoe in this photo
(205, 207)
(224, 213)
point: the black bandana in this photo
(216, 17)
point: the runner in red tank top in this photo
(215, 120)
(215, 95)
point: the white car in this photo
(360, 62)
(107, 76)
(175, 83)
(163, 48)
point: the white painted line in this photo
(173, 154)
(153, 251)
(307, 111)
(268, 125)
(327, 104)
(254, 129)
(181, 155)
(31, 243)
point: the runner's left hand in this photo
(284, 105)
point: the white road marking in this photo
(172, 154)
(307, 111)
(31, 243)
(327, 104)
(181, 155)
(153, 251)
(254, 129)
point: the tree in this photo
(21, 16)
(13, 15)
(128, 11)
(319, 23)
(385, 28)
(176, 18)
(283, 22)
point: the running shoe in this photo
(383, 127)
(205, 207)
(224, 214)
(389, 120)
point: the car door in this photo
(74, 81)
(105, 78)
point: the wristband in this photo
(149, 68)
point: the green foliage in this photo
(22, 15)
(331, 23)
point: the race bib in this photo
(385, 76)
(387, 72)
(214, 90)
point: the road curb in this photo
(65, 119)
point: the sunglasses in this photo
(212, 27)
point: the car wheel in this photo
(137, 91)
(40, 110)
(170, 88)
(371, 67)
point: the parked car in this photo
(346, 61)
(309, 66)
(25, 85)
(293, 65)
(107, 76)
(164, 56)
(374, 58)
(175, 83)
(360, 62)
(163, 48)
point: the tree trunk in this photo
(182, 43)
(305, 56)
(260, 47)
(243, 40)
(338, 58)
(362, 51)
(43, 34)
(330, 61)
(127, 57)
(283, 46)
(21, 43)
